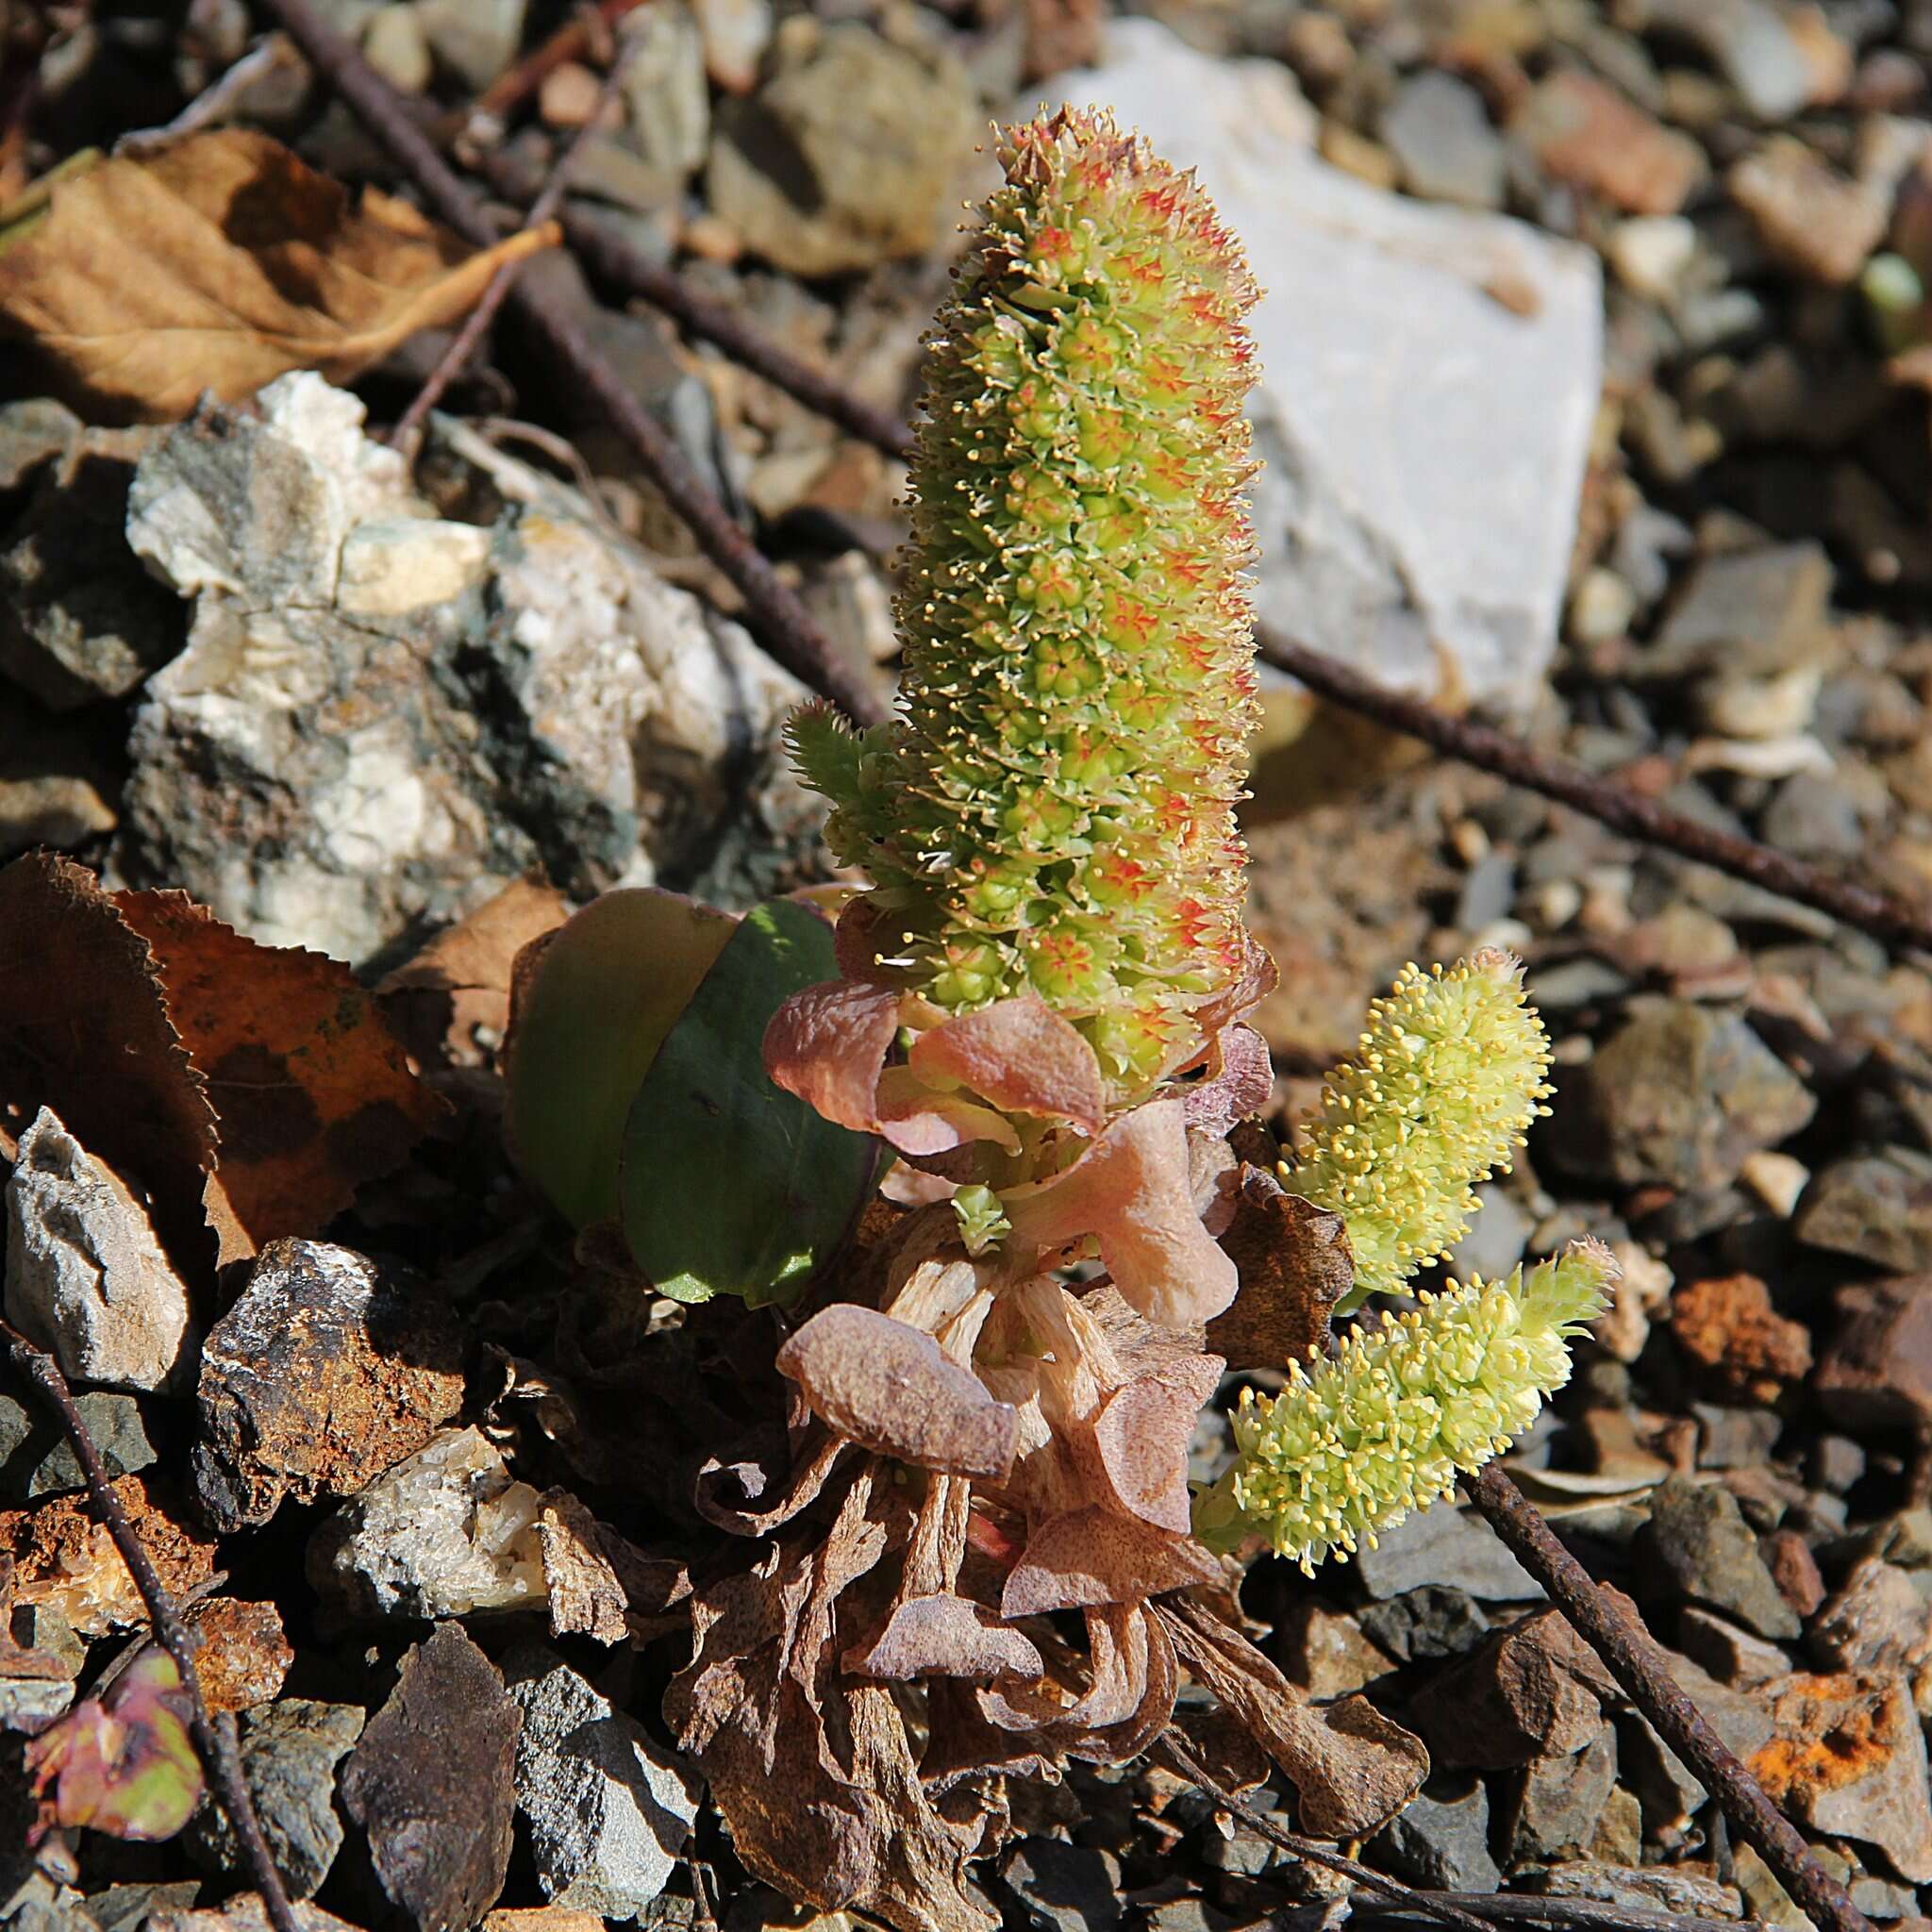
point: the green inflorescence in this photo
(1447, 1079)
(1052, 810)
(1350, 1447)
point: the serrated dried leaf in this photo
(1294, 1265)
(220, 263)
(885, 1385)
(311, 1090)
(123, 1765)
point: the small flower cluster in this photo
(1053, 810)
(1352, 1445)
(1448, 1078)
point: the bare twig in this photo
(214, 1741)
(571, 41)
(1639, 1667)
(463, 345)
(772, 609)
(614, 261)
(1893, 921)
(1175, 1743)
(1564, 1914)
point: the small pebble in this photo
(1777, 1179)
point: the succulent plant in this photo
(1051, 811)
(1447, 1079)
(1352, 1444)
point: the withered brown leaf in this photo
(1294, 1265)
(220, 263)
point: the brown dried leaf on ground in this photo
(221, 263)
(72, 976)
(311, 1090)
(451, 1000)
(1294, 1265)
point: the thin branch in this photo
(214, 1741)
(615, 262)
(1564, 1914)
(1642, 1669)
(463, 347)
(1893, 921)
(773, 608)
(571, 41)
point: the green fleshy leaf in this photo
(727, 1184)
(594, 1000)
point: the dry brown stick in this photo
(1561, 1914)
(220, 1757)
(614, 261)
(513, 87)
(1893, 921)
(463, 345)
(773, 608)
(1640, 1668)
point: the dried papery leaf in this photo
(73, 975)
(723, 1492)
(1020, 1056)
(1294, 1265)
(1093, 1555)
(827, 1043)
(1352, 1768)
(1238, 1079)
(1141, 1439)
(220, 263)
(944, 1637)
(920, 1122)
(1130, 1190)
(887, 1385)
(123, 1765)
(458, 986)
(726, 1183)
(311, 1093)
(590, 1006)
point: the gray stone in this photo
(1749, 43)
(608, 1808)
(125, 1907)
(58, 780)
(1735, 1437)
(1679, 1095)
(1748, 613)
(475, 38)
(1063, 1888)
(1814, 816)
(444, 1532)
(1496, 1237)
(1698, 1540)
(1670, 1792)
(1732, 1656)
(50, 1467)
(1649, 1888)
(1438, 130)
(849, 154)
(336, 778)
(1440, 1840)
(290, 1752)
(664, 91)
(1449, 1546)
(1875, 1621)
(1877, 1207)
(1485, 416)
(86, 1276)
(1560, 1800)
(1433, 1622)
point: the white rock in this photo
(735, 35)
(444, 1532)
(475, 38)
(1650, 253)
(1425, 440)
(394, 44)
(392, 564)
(608, 1809)
(670, 106)
(86, 1276)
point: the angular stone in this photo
(849, 153)
(244, 1912)
(1848, 1759)
(1326, 1653)
(1535, 1689)
(1812, 219)
(1875, 1621)
(325, 1372)
(1677, 1097)
(1486, 415)
(1697, 1539)
(475, 38)
(431, 1783)
(1432, 1621)
(245, 1653)
(1748, 611)
(608, 1807)
(663, 87)
(1560, 1800)
(1751, 44)
(1789, 1558)
(1877, 1207)
(1732, 1656)
(444, 1532)
(1642, 1889)
(1438, 130)
(1876, 1370)
(1445, 1545)
(85, 1278)
(290, 1752)
(1440, 1840)
(45, 1464)
(1728, 1327)
(1063, 1888)
(1584, 133)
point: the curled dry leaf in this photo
(311, 1090)
(1093, 1554)
(219, 264)
(886, 1386)
(1294, 1265)
(125, 1763)
(1131, 1189)
(1239, 1079)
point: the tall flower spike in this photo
(1053, 809)
(1447, 1079)
(1351, 1446)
